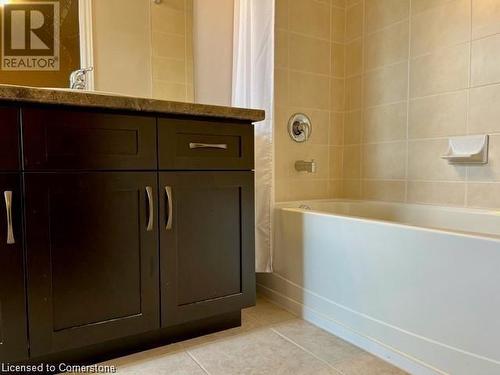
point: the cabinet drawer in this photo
(209, 145)
(9, 139)
(78, 140)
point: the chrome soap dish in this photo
(467, 150)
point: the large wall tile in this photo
(445, 70)
(338, 60)
(484, 110)
(381, 13)
(281, 14)
(353, 127)
(337, 95)
(171, 70)
(354, 58)
(485, 18)
(444, 25)
(490, 171)
(310, 18)
(338, 3)
(384, 160)
(335, 189)
(385, 123)
(485, 68)
(309, 90)
(292, 190)
(390, 191)
(338, 25)
(353, 93)
(309, 54)
(337, 128)
(336, 158)
(387, 46)
(354, 22)
(351, 189)
(345, 64)
(386, 85)
(170, 91)
(168, 19)
(438, 116)
(418, 6)
(281, 87)
(351, 168)
(281, 49)
(484, 195)
(425, 163)
(440, 193)
(169, 45)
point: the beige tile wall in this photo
(172, 50)
(416, 72)
(310, 58)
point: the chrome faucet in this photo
(305, 166)
(78, 79)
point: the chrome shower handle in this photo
(149, 192)
(168, 191)
(10, 227)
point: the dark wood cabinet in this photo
(75, 140)
(92, 257)
(9, 139)
(120, 230)
(207, 258)
(13, 336)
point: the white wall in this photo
(122, 46)
(213, 51)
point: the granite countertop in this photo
(89, 99)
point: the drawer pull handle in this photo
(10, 227)
(149, 192)
(222, 146)
(168, 191)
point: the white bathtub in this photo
(418, 285)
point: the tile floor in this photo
(270, 341)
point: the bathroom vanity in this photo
(125, 223)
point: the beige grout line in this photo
(197, 362)
(408, 93)
(467, 170)
(341, 189)
(304, 349)
(330, 96)
(362, 99)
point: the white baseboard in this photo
(391, 355)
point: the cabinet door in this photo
(206, 244)
(13, 342)
(92, 255)
(9, 139)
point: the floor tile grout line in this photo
(304, 349)
(197, 362)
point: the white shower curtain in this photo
(253, 82)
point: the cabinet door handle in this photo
(168, 191)
(10, 227)
(222, 146)
(149, 192)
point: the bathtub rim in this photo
(483, 236)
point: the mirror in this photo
(136, 47)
